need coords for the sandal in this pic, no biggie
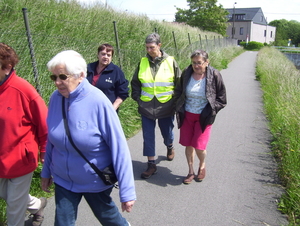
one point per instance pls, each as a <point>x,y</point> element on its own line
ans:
<point>188,179</point>
<point>201,175</point>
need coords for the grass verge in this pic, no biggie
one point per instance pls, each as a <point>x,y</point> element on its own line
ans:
<point>280,81</point>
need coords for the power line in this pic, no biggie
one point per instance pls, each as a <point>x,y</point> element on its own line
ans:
<point>296,14</point>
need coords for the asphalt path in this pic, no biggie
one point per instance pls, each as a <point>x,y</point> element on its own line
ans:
<point>241,186</point>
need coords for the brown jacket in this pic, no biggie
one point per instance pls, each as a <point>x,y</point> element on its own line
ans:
<point>215,94</point>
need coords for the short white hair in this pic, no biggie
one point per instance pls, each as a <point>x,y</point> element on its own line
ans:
<point>72,60</point>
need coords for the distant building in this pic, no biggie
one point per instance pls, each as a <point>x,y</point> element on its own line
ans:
<point>249,24</point>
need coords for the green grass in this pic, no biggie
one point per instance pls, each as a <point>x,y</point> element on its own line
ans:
<point>280,82</point>
<point>286,49</point>
<point>61,25</point>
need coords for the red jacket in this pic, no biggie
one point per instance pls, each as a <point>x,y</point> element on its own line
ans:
<point>23,129</point>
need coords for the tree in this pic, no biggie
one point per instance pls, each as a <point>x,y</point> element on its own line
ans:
<point>294,32</point>
<point>281,31</point>
<point>286,30</point>
<point>204,14</point>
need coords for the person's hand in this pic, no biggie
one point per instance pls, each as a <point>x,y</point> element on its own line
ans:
<point>46,183</point>
<point>115,106</point>
<point>117,103</point>
<point>127,206</point>
<point>42,157</point>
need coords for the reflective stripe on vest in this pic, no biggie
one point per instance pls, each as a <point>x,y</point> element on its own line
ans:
<point>162,87</point>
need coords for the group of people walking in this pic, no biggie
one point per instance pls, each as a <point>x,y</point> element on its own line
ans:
<point>81,128</point>
<point>195,95</point>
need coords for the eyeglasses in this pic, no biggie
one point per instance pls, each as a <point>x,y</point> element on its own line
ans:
<point>197,63</point>
<point>61,77</point>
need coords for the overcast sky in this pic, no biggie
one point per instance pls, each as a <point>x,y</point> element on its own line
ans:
<point>165,9</point>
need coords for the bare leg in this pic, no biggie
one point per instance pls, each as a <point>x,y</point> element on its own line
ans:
<point>201,171</point>
<point>189,153</point>
<point>201,155</point>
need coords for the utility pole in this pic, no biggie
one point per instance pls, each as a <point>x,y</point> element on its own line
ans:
<point>105,3</point>
<point>266,30</point>
<point>233,15</point>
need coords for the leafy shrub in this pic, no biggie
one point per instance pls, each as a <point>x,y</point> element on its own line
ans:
<point>252,45</point>
<point>281,43</point>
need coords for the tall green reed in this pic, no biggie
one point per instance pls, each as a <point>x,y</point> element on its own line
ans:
<point>280,82</point>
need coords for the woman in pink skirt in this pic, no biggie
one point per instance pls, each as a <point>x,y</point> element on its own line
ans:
<point>199,95</point>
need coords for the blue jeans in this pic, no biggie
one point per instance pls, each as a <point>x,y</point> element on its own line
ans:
<point>101,204</point>
<point>166,126</point>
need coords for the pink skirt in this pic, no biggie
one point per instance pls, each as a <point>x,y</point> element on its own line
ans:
<point>191,133</point>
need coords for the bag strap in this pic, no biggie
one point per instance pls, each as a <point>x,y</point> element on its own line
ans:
<point>68,131</point>
<point>94,167</point>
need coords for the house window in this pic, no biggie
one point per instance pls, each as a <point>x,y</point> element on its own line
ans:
<point>271,35</point>
<point>239,16</point>
<point>241,31</point>
<point>265,33</point>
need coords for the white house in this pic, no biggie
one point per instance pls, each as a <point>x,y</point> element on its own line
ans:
<point>249,24</point>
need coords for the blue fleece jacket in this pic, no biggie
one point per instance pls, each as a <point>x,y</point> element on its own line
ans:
<point>112,81</point>
<point>97,132</point>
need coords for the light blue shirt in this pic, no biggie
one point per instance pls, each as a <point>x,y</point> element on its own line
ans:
<point>195,95</point>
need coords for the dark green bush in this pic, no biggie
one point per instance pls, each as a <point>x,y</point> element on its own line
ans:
<point>252,45</point>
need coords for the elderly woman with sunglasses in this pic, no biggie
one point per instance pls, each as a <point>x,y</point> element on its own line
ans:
<point>96,131</point>
<point>200,95</point>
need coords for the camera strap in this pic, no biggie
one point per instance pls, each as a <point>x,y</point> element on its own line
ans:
<point>93,166</point>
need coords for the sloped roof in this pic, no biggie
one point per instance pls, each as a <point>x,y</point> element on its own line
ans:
<point>247,14</point>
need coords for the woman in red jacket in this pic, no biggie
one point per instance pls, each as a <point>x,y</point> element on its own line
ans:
<point>22,138</point>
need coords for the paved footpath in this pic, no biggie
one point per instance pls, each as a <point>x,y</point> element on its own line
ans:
<point>241,187</point>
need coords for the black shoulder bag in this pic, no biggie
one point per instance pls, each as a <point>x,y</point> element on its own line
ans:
<point>108,174</point>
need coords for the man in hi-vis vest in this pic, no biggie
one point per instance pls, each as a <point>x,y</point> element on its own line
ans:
<point>152,88</point>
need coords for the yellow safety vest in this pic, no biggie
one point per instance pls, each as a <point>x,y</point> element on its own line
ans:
<point>162,87</point>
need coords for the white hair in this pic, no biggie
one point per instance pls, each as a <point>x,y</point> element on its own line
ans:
<point>72,60</point>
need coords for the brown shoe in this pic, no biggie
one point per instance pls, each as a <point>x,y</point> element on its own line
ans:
<point>38,217</point>
<point>201,175</point>
<point>150,171</point>
<point>170,153</point>
<point>188,179</point>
